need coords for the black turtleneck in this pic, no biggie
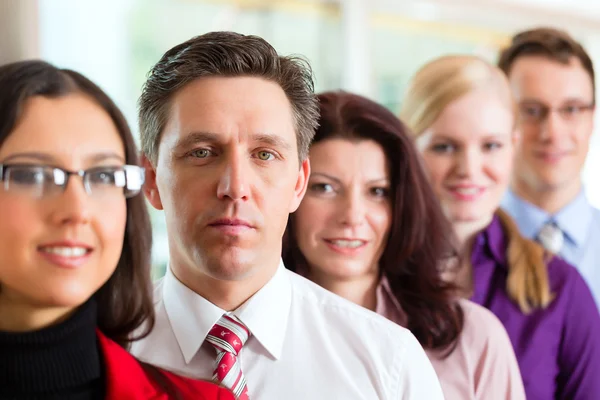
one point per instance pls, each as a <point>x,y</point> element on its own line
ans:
<point>58,362</point>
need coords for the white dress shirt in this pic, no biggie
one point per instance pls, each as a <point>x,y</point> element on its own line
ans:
<point>305,343</point>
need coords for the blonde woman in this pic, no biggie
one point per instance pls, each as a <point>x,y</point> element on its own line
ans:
<point>463,118</point>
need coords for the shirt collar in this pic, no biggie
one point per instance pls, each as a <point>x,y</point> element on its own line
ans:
<point>528,217</point>
<point>491,241</point>
<point>387,304</point>
<point>575,219</point>
<point>191,316</point>
<point>265,313</point>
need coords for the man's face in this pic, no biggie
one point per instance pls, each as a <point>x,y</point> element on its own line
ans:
<point>228,176</point>
<point>556,121</point>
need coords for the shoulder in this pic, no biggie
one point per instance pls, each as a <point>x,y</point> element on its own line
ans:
<point>325,314</point>
<point>323,302</point>
<point>563,276</point>
<point>482,331</point>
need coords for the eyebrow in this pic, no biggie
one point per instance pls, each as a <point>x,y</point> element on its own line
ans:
<point>336,180</point>
<point>567,100</point>
<point>47,158</point>
<point>442,137</point>
<point>195,137</point>
<point>264,138</point>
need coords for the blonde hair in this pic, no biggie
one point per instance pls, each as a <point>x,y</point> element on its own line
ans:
<point>444,80</point>
<point>431,90</point>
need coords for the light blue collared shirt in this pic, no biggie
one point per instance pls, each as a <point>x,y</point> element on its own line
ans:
<point>580,223</point>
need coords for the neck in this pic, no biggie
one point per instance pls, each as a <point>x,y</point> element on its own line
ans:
<point>18,316</point>
<point>466,231</point>
<point>227,294</point>
<point>60,361</point>
<point>361,291</point>
<point>549,199</point>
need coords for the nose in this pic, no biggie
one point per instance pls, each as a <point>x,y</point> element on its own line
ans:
<point>73,205</point>
<point>352,209</point>
<point>551,128</point>
<point>233,182</point>
<point>468,162</point>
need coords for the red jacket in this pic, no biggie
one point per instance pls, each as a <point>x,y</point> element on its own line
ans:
<point>127,380</point>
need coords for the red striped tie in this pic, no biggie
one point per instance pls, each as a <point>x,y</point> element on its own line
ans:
<point>227,337</point>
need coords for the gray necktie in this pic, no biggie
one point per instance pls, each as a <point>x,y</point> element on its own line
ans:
<point>551,237</point>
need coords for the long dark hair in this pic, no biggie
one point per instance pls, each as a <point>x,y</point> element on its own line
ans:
<point>125,300</point>
<point>421,241</point>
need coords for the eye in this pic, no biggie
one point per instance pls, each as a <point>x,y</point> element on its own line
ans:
<point>265,155</point>
<point>532,110</point>
<point>443,148</point>
<point>201,153</point>
<point>380,192</point>
<point>321,188</point>
<point>490,146</point>
<point>27,175</point>
<point>102,177</point>
<point>571,109</point>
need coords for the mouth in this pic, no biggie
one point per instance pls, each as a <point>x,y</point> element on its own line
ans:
<point>66,255</point>
<point>231,222</point>
<point>231,226</point>
<point>347,243</point>
<point>346,246</point>
<point>466,193</point>
<point>551,157</point>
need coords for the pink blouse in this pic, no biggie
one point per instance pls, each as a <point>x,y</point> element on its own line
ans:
<point>483,365</point>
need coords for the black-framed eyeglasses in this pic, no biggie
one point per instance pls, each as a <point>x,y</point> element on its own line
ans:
<point>42,181</point>
<point>538,112</point>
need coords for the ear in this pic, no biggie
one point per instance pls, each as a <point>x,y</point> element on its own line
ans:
<point>301,185</point>
<point>150,187</point>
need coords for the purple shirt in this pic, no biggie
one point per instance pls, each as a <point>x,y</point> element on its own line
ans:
<point>557,348</point>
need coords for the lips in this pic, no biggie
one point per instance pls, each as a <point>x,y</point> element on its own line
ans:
<point>346,246</point>
<point>66,254</point>
<point>64,251</point>
<point>347,243</point>
<point>232,227</point>
<point>231,222</point>
<point>551,157</point>
<point>466,192</point>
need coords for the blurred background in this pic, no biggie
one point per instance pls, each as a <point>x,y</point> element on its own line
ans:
<point>371,47</point>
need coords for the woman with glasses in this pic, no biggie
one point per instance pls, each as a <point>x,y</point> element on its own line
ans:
<point>75,241</point>
<point>370,230</point>
<point>463,118</point>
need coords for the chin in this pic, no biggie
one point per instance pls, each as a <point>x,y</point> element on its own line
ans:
<point>230,267</point>
<point>468,217</point>
<point>344,269</point>
<point>554,182</point>
<point>66,299</point>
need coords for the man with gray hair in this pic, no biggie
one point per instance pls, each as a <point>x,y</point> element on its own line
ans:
<point>226,124</point>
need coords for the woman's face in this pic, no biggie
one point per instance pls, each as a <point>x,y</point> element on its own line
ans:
<point>59,247</point>
<point>468,152</point>
<point>343,221</point>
